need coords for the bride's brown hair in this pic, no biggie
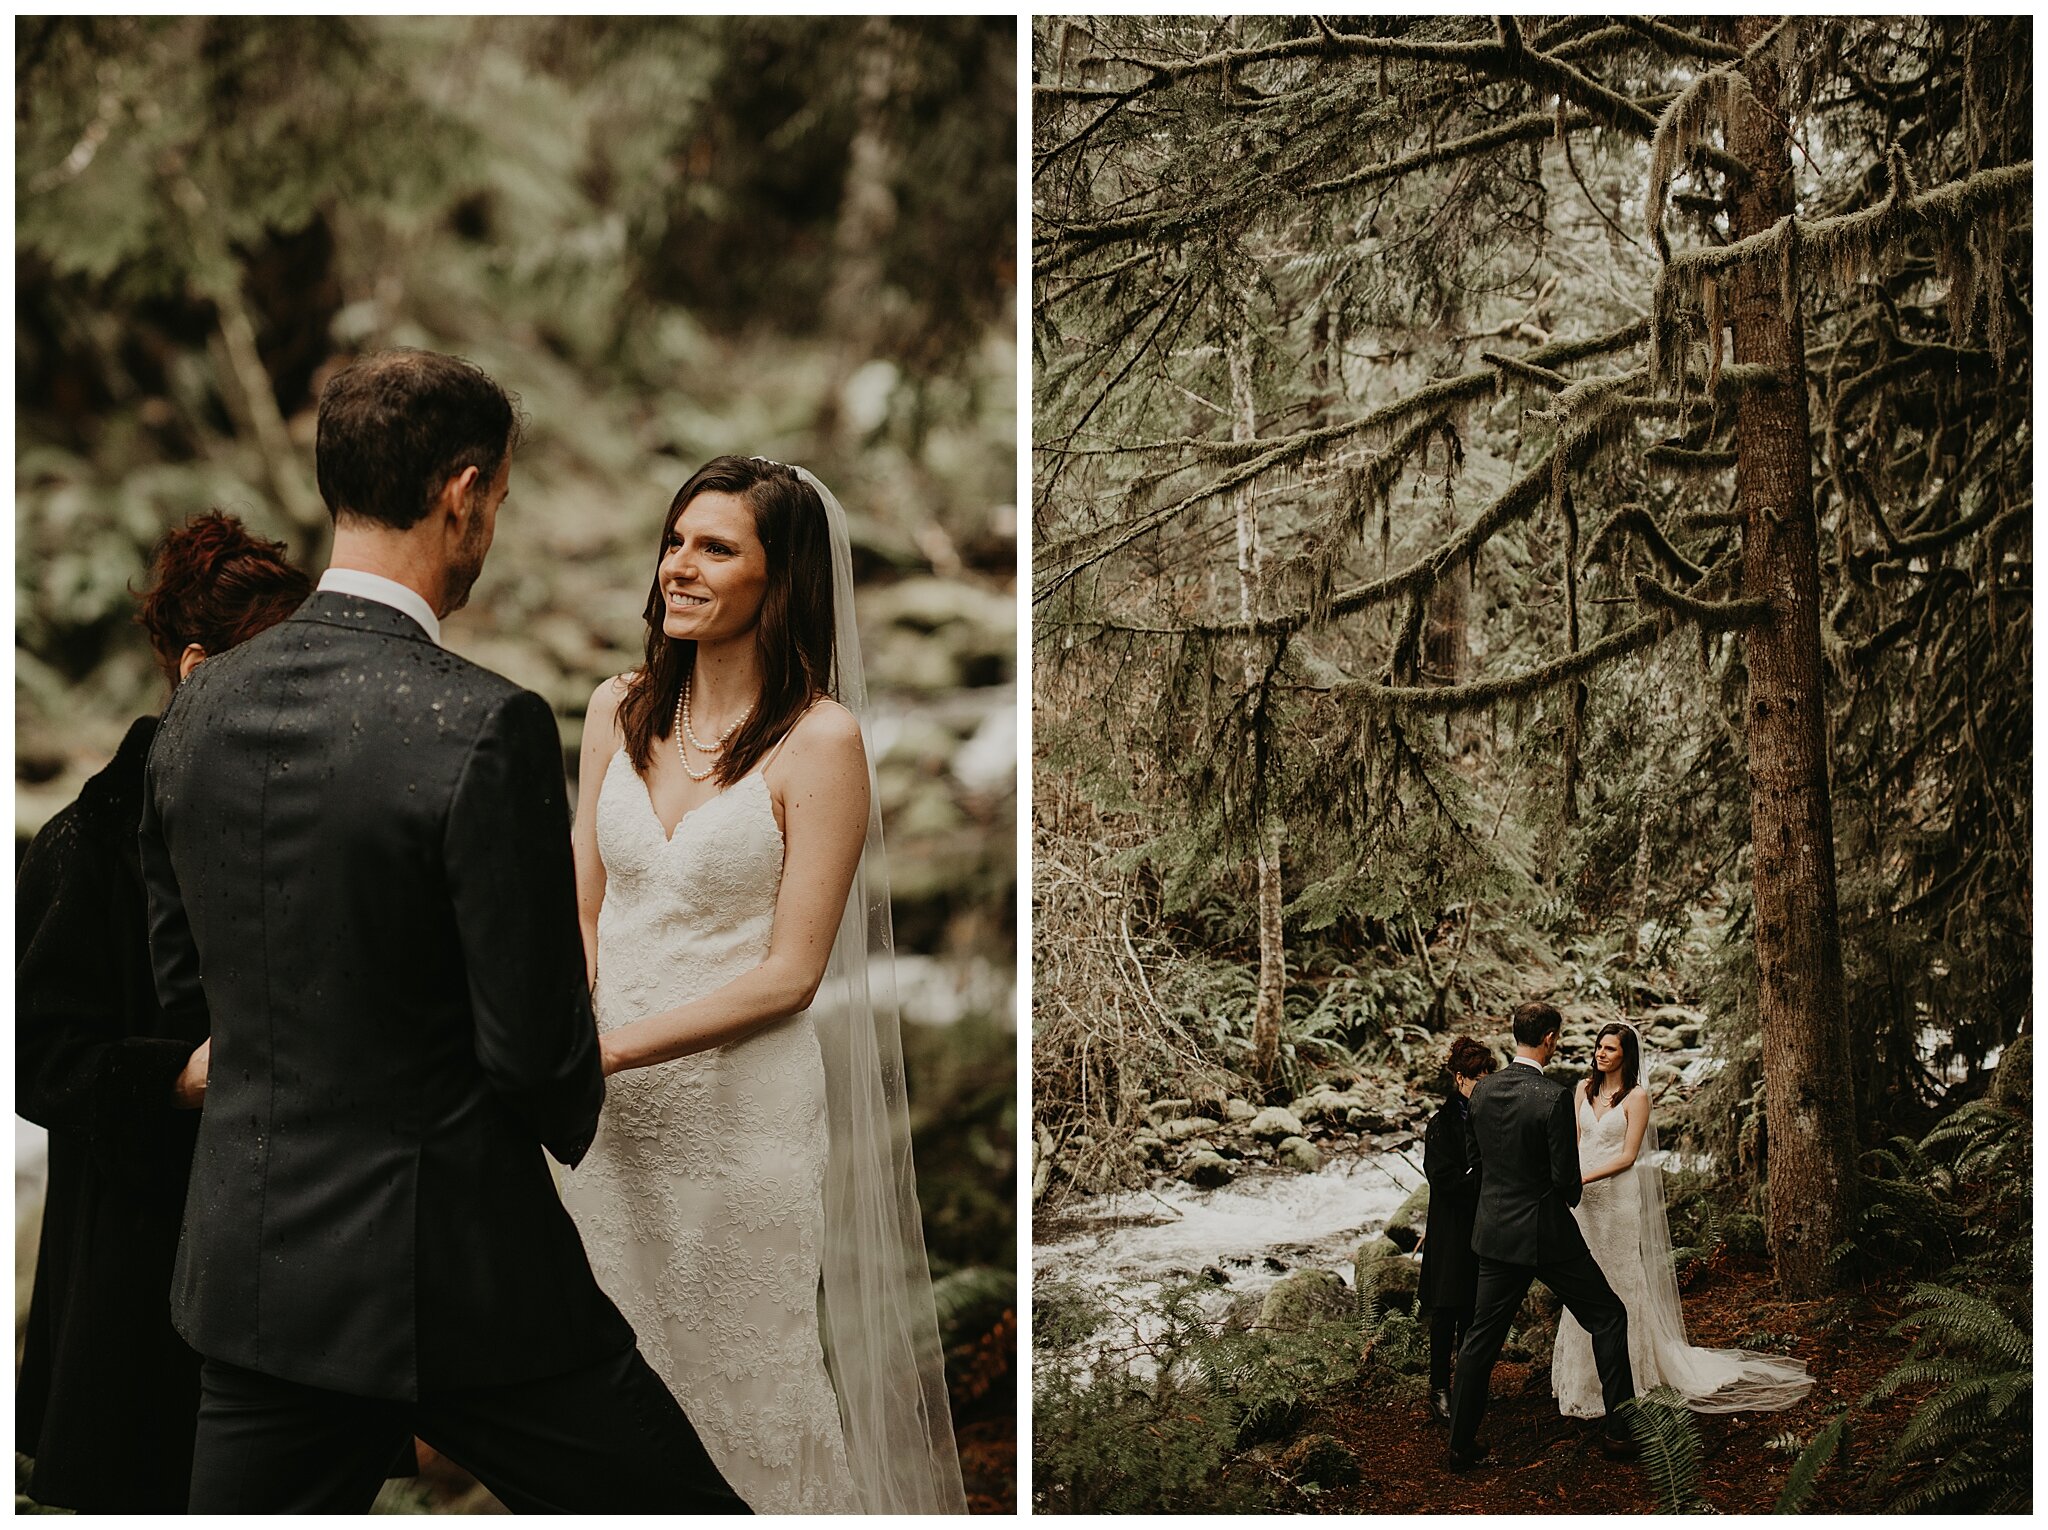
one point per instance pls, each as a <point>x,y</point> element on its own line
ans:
<point>793,636</point>
<point>1631,1062</point>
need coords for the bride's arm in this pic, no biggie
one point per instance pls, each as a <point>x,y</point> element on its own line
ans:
<point>825,818</point>
<point>600,743</point>
<point>1637,1109</point>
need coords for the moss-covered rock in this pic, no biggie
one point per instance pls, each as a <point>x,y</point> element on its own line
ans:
<point>1274,1123</point>
<point>1304,1298</point>
<point>1405,1227</point>
<point>1385,1277</point>
<point>1297,1153</point>
<point>1322,1459</point>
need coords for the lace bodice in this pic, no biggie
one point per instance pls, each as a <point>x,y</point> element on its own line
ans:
<point>683,913</point>
<point>1601,1137</point>
<point>701,1201</point>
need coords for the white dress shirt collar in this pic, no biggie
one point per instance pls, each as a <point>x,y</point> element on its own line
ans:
<point>1529,1062</point>
<point>386,592</point>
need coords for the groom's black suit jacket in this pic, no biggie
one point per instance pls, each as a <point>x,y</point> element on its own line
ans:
<point>356,847</point>
<point>1521,1135</point>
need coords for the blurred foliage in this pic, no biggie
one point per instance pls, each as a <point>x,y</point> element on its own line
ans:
<point>671,237</point>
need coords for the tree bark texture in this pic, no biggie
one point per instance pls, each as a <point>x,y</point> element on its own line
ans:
<point>1809,1105</point>
<point>1272,940</point>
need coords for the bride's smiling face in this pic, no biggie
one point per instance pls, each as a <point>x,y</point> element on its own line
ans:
<point>714,570</point>
<point>1607,1055</point>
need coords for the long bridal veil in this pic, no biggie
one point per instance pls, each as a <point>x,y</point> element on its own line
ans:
<point>878,1323</point>
<point>1709,1380</point>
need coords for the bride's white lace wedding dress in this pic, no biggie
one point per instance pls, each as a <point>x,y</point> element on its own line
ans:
<point>701,1201</point>
<point>1615,1214</point>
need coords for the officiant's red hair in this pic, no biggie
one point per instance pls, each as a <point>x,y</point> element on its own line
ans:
<point>214,583</point>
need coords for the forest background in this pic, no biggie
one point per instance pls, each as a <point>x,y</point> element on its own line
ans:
<point>1538,508</point>
<point>671,238</point>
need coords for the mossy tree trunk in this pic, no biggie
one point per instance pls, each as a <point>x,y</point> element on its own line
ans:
<point>1272,938</point>
<point>1807,1082</point>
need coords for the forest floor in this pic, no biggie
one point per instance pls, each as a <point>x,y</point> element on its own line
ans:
<point>1540,1459</point>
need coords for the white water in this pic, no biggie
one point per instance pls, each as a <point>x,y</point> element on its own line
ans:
<point>1132,1243</point>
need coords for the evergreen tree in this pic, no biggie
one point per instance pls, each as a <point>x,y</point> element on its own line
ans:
<point>1563,337</point>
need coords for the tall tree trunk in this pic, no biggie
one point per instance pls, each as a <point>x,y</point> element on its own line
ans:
<point>1808,1089</point>
<point>1272,942</point>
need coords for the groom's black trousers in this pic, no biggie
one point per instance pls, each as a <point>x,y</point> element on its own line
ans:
<point>607,1438</point>
<point>1585,1294</point>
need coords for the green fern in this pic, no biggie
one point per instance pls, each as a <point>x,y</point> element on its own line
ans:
<point>1977,1426</point>
<point>1805,1474</point>
<point>1671,1449</point>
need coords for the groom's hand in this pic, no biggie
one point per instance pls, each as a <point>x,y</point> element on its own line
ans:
<point>188,1090</point>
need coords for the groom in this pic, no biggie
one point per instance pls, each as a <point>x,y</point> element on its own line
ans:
<point>1521,1135</point>
<point>357,852</point>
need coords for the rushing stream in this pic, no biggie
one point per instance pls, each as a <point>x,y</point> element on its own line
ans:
<point>1124,1247</point>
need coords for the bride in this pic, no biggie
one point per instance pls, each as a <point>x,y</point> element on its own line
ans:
<point>1621,1212</point>
<point>748,1202</point>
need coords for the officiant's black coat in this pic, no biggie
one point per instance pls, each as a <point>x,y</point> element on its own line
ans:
<point>1450,1271</point>
<point>108,1393</point>
<point>359,841</point>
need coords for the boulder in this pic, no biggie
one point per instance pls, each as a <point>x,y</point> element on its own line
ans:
<point>2012,1082</point>
<point>1326,1105</point>
<point>1206,1170</point>
<point>1187,1126</point>
<point>1273,1123</point>
<point>1298,1153</point>
<point>1241,1312</point>
<point>1236,1111</point>
<point>1405,1227</point>
<point>1383,1275</point>
<point>1322,1459</point>
<point>1539,1308</point>
<point>1166,1110</point>
<point>1306,1297</point>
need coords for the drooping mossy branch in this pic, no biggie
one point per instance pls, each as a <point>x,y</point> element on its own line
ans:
<point>1532,128</point>
<point>1639,520</point>
<point>1855,240</point>
<point>1706,615</point>
<point>1063,558</point>
<point>1685,459</point>
<point>1677,40</point>
<point>1517,366</point>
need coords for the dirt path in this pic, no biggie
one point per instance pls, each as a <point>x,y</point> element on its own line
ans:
<point>1543,1463</point>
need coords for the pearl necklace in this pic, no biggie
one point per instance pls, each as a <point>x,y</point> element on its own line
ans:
<point>685,731</point>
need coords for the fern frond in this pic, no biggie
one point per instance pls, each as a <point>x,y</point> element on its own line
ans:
<point>1805,1474</point>
<point>1671,1449</point>
<point>1969,1321</point>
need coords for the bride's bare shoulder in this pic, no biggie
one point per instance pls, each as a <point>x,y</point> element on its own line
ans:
<point>825,731</point>
<point>603,712</point>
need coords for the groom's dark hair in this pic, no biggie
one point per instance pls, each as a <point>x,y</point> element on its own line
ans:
<point>1534,1021</point>
<point>395,426</point>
